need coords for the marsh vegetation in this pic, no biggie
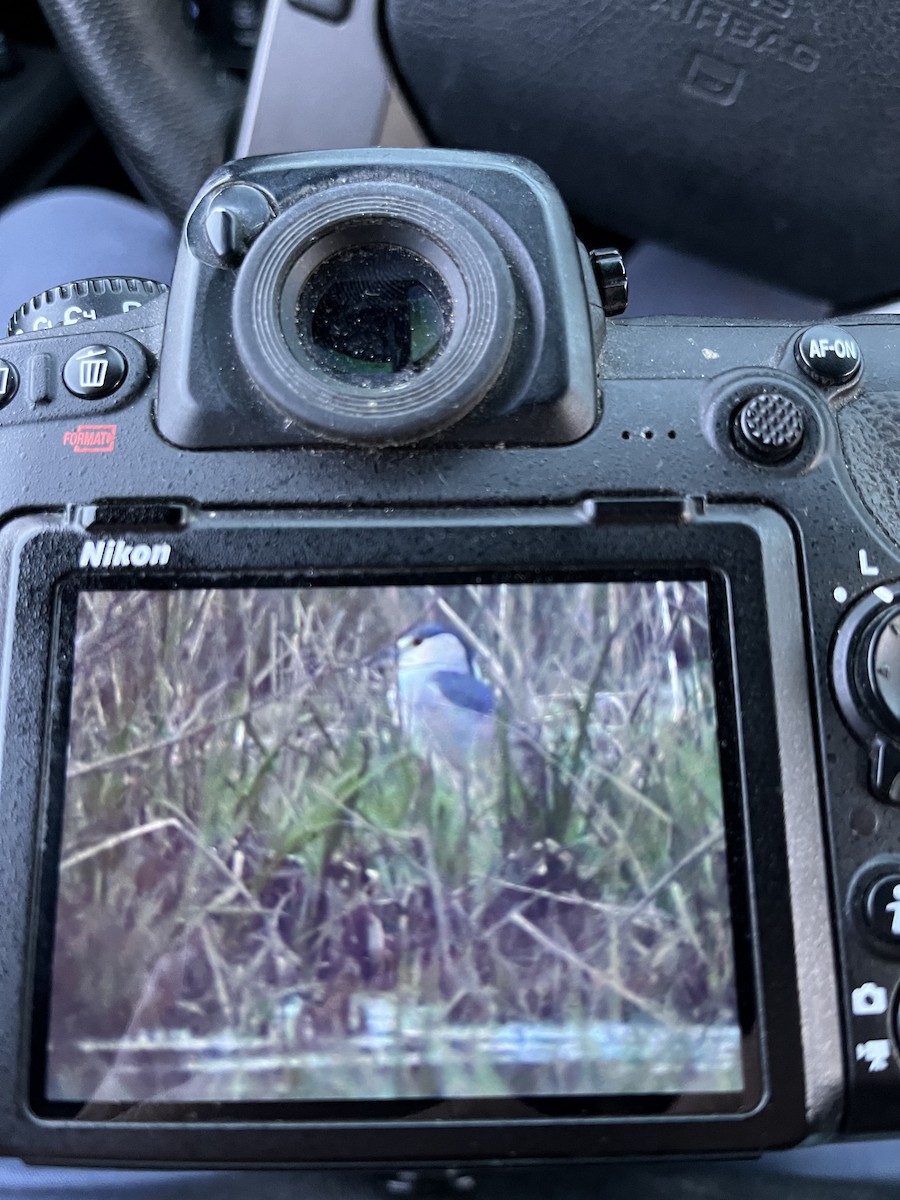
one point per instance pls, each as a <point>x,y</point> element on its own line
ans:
<point>265,891</point>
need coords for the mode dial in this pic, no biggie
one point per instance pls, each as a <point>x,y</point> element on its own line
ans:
<point>84,300</point>
<point>883,667</point>
<point>866,664</point>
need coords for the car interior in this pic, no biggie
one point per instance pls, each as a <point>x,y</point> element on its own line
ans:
<point>739,154</point>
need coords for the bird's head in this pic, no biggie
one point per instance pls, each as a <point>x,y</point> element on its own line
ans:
<point>430,644</point>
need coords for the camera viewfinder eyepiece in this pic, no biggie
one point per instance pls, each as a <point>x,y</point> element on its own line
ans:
<point>375,313</point>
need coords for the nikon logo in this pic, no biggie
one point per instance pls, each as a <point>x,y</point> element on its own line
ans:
<point>108,553</point>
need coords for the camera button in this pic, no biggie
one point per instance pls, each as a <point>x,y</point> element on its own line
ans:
<point>884,771</point>
<point>226,223</point>
<point>881,908</point>
<point>95,372</point>
<point>828,355</point>
<point>768,427</point>
<point>611,279</point>
<point>9,382</point>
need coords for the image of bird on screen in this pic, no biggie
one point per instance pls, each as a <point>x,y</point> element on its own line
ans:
<point>324,843</point>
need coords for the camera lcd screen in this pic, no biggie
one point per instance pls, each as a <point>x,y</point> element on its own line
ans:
<point>392,843</point>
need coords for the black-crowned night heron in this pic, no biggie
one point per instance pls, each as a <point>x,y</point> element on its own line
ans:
<point>445,709</point>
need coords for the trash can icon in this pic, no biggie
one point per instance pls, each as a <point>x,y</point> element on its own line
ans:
<point>92,372</point>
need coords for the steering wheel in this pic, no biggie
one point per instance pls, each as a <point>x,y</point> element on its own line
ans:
<point>761,134</point>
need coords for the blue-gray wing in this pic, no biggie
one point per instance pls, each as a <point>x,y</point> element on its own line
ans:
<point>465,691</point>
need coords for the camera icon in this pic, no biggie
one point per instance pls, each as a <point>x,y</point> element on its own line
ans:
<point>869,1000</point>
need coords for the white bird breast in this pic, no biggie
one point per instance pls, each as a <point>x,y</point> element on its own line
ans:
<point>433,724</point>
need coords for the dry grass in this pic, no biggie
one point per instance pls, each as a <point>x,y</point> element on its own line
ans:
<point>247,833</point>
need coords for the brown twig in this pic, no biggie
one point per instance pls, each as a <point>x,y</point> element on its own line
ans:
<point>702,847</point>
<point>117,839</point>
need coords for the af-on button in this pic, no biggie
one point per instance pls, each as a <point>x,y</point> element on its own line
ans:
<point>95,372</point>
<point>828,355</point>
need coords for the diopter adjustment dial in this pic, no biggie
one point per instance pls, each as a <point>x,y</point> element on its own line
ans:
<point>84,300</point>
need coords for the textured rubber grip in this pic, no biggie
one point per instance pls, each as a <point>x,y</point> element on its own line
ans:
<point>761,134</point>
<point>168,113</point>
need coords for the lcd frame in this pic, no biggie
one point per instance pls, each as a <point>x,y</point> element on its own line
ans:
<point>523,1105</point>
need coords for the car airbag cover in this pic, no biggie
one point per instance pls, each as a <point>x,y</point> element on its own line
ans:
<point>764,134</point>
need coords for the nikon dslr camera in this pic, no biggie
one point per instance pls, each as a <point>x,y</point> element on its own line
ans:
<point>441,724</point>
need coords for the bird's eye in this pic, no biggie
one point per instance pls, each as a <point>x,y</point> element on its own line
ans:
<point>417,641</point>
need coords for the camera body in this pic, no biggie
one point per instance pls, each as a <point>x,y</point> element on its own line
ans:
<point>489,250</point>
<point>669,550</point>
